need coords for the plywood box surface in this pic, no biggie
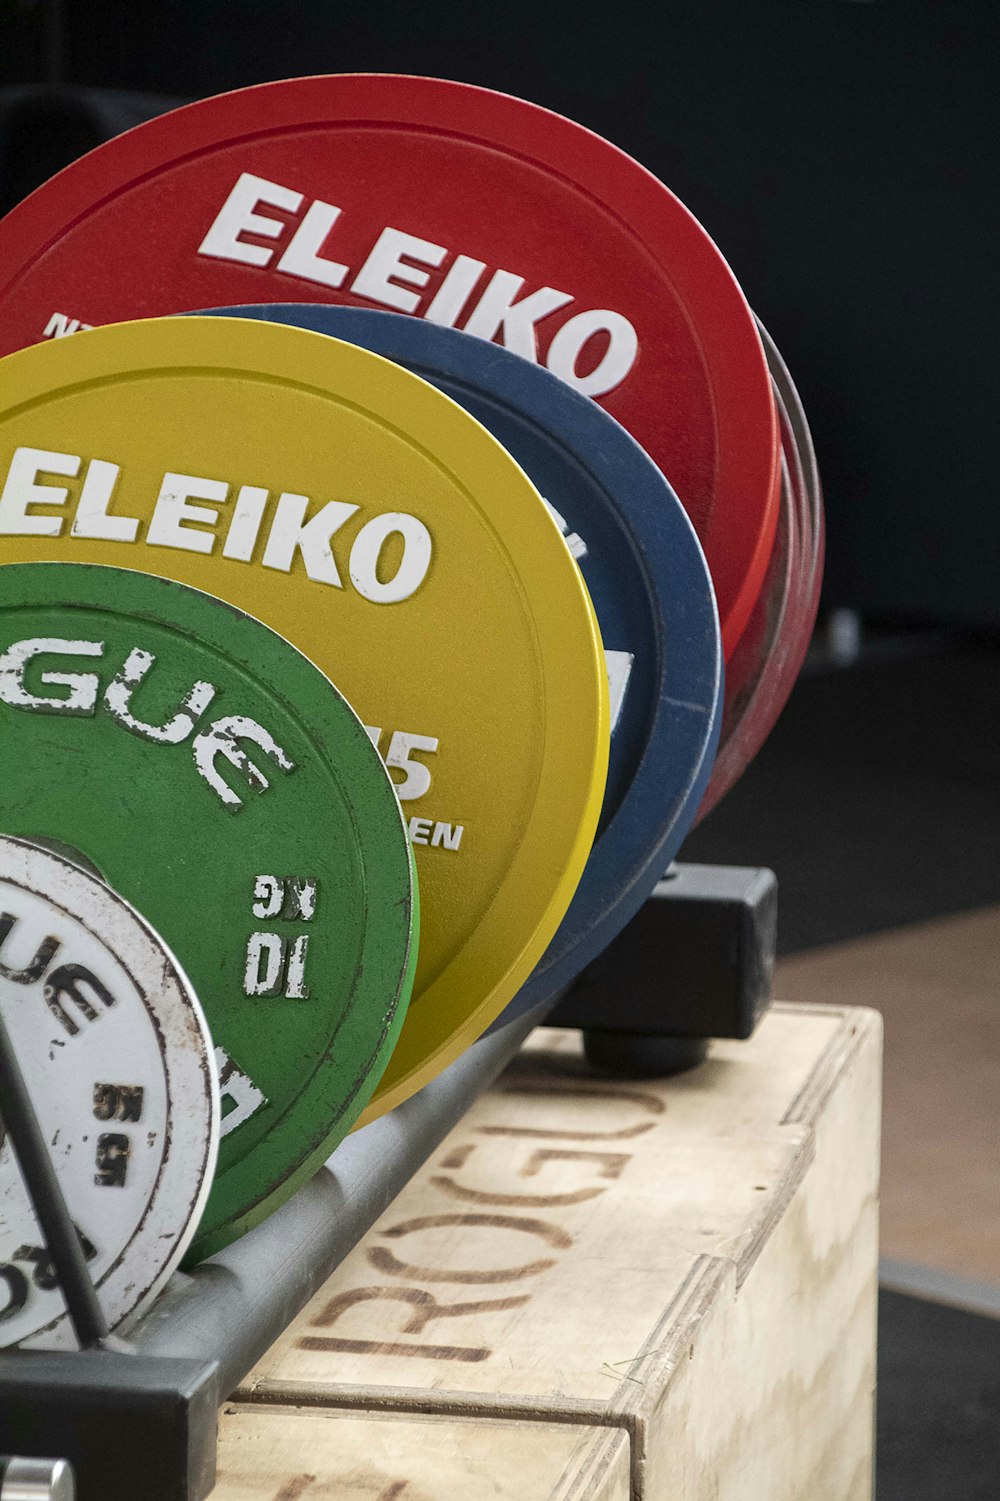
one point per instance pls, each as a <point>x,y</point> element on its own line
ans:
<point>598,1289</point>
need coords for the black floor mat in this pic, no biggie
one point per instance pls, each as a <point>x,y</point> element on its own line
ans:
<point>938,1403</point>
<point>876,799</point>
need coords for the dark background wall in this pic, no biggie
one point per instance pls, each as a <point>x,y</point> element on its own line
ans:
<point>843,154</point>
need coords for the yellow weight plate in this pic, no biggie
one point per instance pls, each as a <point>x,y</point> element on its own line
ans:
<point>374,523</point>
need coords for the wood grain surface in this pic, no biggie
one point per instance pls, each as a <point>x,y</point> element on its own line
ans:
<point>600,1288</point>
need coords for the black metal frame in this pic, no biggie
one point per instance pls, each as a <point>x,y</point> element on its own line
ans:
<point>145,1404</point>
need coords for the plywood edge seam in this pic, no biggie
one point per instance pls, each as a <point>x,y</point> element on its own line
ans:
<point>618,1429</point>
<point>669,1344</point>
<point>585,1481</point>
<point>857,1024</point>
<point>778,1200</point>
<point>584,1463</point>
<point>441,1403</point>
<point>670,1340</point>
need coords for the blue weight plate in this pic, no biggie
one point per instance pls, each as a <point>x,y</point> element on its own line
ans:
<point>651,589</point>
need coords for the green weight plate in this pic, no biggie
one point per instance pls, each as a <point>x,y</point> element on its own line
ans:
<point>217,781</point>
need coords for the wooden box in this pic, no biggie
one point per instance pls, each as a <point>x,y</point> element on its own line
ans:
<point>601,1290</point>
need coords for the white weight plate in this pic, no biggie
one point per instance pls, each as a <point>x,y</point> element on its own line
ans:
<point>117,1059</point>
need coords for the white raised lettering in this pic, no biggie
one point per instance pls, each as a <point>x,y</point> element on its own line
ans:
<point>385,267</point>
<point>447,835</point>
<point>221,739</point>
<point>575,543</point>
<point>417,780</point>
<point>21,490</point>
<point>244,529</point>
<point>615,363</point>
<point>237,216</point>
<point>455,291</point>
<point>420,830</point>
<point>269,896</point>
<point>265,966</point>
<point>302,258</point>
<point>118,703</point>
<point>59,325</point>
<point>170,527</point>
<point>498,312</point>
<point>83,686</point>
<point>291,533</point>
<point>296,988</point>
<point>301,894</point>
<point>92,519</point>
<point>239,1088</point>
<point>619,670</point>
<point>416,559</point>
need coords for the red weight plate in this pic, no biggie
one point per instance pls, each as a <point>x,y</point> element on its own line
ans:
<point>767,661</point>
<point>797,441</point>
<point>757,674</point>
<point>456,204</point>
